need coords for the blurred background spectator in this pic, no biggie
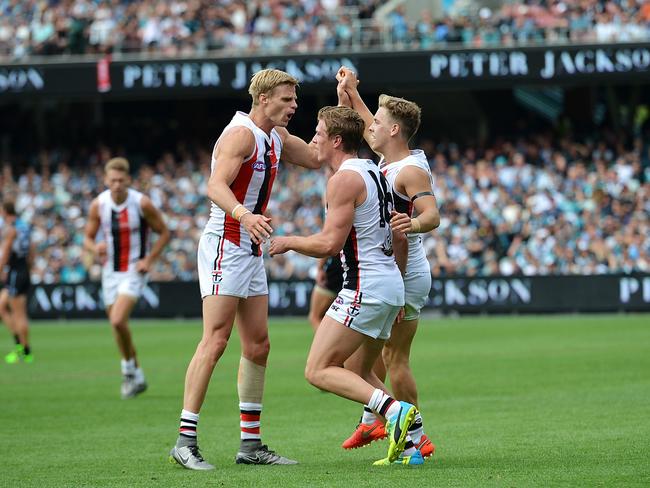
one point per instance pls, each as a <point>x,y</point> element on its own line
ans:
<point>535,205</point>
<point>235,27</point>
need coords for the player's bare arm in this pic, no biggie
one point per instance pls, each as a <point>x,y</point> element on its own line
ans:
<point>90,233</point>
<point>321,276</point>
<point>343,97</point>
<point>400,246</point>
<point>345,191</point>
<point>5,250</point>
<point>155,220</point>
<point>231,151</point>
<point>348,82</point>
<point>414,183</point>
<point>31,255</point>
<point>296,151</point>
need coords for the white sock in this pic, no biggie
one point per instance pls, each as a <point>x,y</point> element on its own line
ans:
<point>139,375</point>
<point>409,448</point>
<point>368,417</point>
<point>128,366</point>
<point>383,404</point>
<point>417,429</point>
<point>187,430</point>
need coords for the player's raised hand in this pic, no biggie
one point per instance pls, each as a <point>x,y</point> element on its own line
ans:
<point>257,226</point>
<point>400,222</point>
<point>346,77</point>
<point>279,245</point>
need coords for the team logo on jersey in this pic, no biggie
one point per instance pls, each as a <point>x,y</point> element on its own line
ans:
<point>259,166</point>
<point>339,300</point>
<point>354,309</point>
<point>217,276</point>
<point>387,246</point>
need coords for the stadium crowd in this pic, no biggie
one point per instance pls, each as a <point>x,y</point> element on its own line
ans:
<point>535,206</point>
<point>195,27</point>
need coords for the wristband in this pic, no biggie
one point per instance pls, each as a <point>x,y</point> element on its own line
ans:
<point>234,210</point>
<point>238,213</point>
<point>415,226</point>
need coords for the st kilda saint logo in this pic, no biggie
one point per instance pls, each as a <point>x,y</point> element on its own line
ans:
<point>354,309</point>
<point>217,276</point>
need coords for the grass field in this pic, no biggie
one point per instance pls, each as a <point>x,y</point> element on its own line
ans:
<point>509,401</point>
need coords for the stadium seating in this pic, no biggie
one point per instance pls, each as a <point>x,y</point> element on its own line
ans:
<point>535,205</point>
<point>194,27</point>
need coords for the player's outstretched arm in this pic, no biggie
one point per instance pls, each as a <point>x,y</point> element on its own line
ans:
<point>155,220</point>
<point>343,191</point>
<point>417,186</point>
<point>233,149</point>
<point>296,151</point>
<point>348,81</point>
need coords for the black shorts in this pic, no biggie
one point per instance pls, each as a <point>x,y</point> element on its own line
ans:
<point>333,274</point>
<point>18,282</point>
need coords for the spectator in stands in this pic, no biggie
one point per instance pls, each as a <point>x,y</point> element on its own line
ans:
<point>175,28</point>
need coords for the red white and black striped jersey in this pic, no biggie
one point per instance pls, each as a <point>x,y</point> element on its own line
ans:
<point>252,185</point>
<point>417,260</point>
<point>125,230</point>
<point>367,256</point>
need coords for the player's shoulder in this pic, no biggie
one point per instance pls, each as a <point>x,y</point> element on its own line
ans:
<point>141,199</point>
<point>101,199</point>
<point>236,139</point>
<point>137,194</point>
<point>413,167</point>
<point>416,159</point>
<point>347,179</point>
<point>238,130</point>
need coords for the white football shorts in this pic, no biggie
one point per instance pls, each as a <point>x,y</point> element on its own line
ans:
<point>416,293</point>
<point>226,269</point>
<point>114,283</point>
<point>363,313</point>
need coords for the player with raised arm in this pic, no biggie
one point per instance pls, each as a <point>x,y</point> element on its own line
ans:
<point>357,225</point>
<point>388,133</point>
<point>231,271</point>
<point>124,217</point>
<point>16,256</point>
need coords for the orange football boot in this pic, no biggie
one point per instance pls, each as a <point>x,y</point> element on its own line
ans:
<point>365,434</point>
<point>426,447</point>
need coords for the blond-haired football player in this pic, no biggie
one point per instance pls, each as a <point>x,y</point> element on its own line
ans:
<point>245,161</point>
<point>124,217</point>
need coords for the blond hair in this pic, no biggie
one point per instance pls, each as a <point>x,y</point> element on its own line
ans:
<point>404,112</point>
<point>117,164</point>
<point>266,81</point>
<point>344,122</point>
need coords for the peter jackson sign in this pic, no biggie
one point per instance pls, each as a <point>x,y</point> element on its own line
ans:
<point>540,64</point>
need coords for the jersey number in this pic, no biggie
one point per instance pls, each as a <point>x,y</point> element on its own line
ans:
<point>385,196</point>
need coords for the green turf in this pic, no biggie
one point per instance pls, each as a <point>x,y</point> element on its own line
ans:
<point>509,401</point>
